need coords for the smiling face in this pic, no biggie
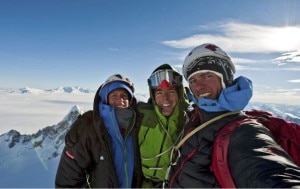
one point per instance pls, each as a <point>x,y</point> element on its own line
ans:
<point>119,98</point>
<point>206,85</point>
<point>166,100</point>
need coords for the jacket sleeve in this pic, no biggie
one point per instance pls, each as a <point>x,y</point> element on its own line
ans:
<point>257,161</point>
<point>76,156</point>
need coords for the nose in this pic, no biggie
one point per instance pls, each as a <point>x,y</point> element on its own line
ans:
<point>120,97</point>
<point>165,95</point>
<point>198,87</point>
<point>198,84</point>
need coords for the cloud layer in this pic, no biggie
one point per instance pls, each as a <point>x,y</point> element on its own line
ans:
<point>233,36</point>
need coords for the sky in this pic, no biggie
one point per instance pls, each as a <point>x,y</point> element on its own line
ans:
<point>48,44</point>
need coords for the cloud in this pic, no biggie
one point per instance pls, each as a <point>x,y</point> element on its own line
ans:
<point>30,112</point>
<point>113,49</point>
<point>295,81</point>
<point>292,58</point>
<point>245,38</point>
<point>274,44</point>
<point>288,91</point>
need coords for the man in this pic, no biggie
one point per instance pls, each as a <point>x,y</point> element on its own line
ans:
<point>163,119</point>
<point>255,159</point>
<point>101,147</point>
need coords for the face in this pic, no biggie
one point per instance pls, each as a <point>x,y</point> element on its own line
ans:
<point>119,98</point>
<point>166,99</point>
<point>206,85</point>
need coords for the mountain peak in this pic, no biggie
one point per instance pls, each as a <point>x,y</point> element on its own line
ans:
<point>70,89</point>
<point>58,90</point>
<point>76,108</point>
<point>28,90</point>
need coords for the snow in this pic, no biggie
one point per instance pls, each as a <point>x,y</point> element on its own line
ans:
<point>25,166</point>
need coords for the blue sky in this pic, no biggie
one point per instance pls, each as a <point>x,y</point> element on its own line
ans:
<point>51,43</point>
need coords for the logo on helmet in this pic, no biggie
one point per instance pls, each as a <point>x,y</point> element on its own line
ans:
<point>211,47</point>
<point>120,77</point>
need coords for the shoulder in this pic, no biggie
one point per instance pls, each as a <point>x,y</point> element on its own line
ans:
<point>87,115</point>
<point>83,122</point>
<point>146,109</point>
<point>149,118</point>
<point>251,135</point>
<point>143,106</point>
<point>81,128</point>
<point>251,126</point>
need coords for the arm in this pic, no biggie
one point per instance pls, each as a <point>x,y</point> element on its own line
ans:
<point>257,161</point>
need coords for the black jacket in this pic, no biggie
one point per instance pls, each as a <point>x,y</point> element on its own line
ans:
<point>255,159</point>
<point>88,154</point>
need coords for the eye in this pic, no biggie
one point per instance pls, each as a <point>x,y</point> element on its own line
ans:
<point>172,92</point>
<point>191,81</point>
<point>125,96</point>
<point>158,93</point>
<point>113,96</point>
<point>209,76</point>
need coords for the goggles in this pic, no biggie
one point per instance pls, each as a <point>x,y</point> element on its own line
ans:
<point>161,77</point>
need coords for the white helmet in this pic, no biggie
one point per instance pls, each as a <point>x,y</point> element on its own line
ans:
<point>217,61</point>
<point>113,82</point>
<point>119,77</point>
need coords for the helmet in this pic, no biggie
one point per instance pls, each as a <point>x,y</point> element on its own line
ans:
<point>121,78</point>
<point>203,50</point>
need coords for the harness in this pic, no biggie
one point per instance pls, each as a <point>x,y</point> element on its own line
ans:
<point>176,150</point>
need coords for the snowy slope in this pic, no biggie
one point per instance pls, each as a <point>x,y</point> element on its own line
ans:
<point>31,160</point>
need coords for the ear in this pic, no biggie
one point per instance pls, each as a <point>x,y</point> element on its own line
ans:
<point>189,94</point>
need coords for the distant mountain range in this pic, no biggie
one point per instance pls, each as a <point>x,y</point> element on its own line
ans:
<point>30,161</point>
<point>28,90</point>
<point>284,111</point>
<point>61,90</point>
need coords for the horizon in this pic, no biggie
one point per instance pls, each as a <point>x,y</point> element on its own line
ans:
<point>36,109</point>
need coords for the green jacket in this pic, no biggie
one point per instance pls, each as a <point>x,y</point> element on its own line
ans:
<point>159,134</point>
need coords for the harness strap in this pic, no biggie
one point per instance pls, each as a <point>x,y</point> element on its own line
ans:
<point>202,126</point>
<point>87,178</point>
